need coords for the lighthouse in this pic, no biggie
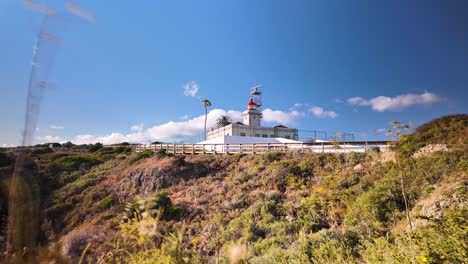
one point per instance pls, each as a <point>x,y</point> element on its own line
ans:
<point>252,116</point>
<point>251,129</point>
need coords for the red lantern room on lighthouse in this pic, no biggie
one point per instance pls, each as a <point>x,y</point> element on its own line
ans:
<point>251,105</point>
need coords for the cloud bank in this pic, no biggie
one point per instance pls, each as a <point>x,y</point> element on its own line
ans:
<point>173,130</point>
<point>384,103</point>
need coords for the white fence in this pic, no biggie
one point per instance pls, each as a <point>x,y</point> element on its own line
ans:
<point>320,147</point>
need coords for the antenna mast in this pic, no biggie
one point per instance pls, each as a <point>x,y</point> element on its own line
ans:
<point>256,95</point>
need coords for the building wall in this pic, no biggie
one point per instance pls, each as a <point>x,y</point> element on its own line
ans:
<point>252,118</point>
<point>248,131</point>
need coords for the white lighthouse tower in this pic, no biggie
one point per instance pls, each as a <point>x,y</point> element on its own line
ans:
<point>251,129</point>
<point>252,116</point>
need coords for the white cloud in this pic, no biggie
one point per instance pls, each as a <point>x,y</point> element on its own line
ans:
<point>112,138</point>
<point>384,103</point>
<point>7,146</point>
<point>299,105</point>
<point>191,89</point>
<point>49,139</point>
<point>56,127</point>
<point>167,131</point>
<point>175,130</point>
<point>138,127</point>
<point>321,113</point>
<point>379,130</point>
<point>280,117</point>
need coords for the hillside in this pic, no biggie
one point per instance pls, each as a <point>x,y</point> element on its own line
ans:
<point>108,205</point>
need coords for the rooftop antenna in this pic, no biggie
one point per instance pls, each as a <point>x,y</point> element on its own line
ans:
<point>256,95</point>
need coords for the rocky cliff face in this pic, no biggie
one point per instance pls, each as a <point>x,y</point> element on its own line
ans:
<point>441,197</point>
<point>424,151</point>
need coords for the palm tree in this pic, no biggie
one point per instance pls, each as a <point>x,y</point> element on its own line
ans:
<point>206,103</point>
<point>223,121</point>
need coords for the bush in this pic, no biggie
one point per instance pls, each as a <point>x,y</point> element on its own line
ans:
<point>175,212</point>
<point>68,145</point>
<point>76,162</point>
<point>39,151</point>
<point>5,160</point>
<point>161,152</point>
<point>145,154</point>
<point>142,155</point>
<point>95,147</point>
<point>106,202</point>
<point>312,214</point>
<point>373,212</point>
<point>120,150</point>
<point>272,156</point>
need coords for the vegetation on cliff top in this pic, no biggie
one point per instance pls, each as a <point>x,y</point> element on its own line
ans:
<point>117,207</point>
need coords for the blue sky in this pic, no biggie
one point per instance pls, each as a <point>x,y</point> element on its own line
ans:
<point>348,66</point>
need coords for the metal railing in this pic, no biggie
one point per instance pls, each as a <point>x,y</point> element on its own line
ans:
<point>320,147</point>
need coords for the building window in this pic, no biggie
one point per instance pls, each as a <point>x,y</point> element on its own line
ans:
<point>272,136</point>
<point>242,134</point>
<point>287,137</point>
<point>257,135</point>
<point>265,135</point>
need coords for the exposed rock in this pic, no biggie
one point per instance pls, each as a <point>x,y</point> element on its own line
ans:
<point>150,176</point>
<point>387,156</point>
<point>358,167</point>
<point>75,243</point>
<point>432,208</point>
<point>424,151</point>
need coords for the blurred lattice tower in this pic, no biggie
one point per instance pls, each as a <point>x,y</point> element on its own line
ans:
<point>23,210</point>
<point>23,197</point>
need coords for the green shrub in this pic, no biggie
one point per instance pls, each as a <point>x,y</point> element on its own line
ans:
<point>161,152</point>
<point>175,212</point>
<point>139,156</point>
<point>312,214</point>
<point>5,160</point>
<point>146,154</point>
<point>75,162</point>
<point>330,246</point>
<point>40,151</point>
<point>106,150</point>
<point>120,150</point>
<point>373,212</point>
<point>95,147</point>
<point>106,202</point>
<point>272,156</point>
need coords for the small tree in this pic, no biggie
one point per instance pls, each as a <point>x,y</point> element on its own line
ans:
<point>397,134</point>
<point>206,103</point>
<point>95,147</point>
<point>223,121</point>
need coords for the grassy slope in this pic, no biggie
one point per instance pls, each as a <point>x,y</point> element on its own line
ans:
<point>268,208</point>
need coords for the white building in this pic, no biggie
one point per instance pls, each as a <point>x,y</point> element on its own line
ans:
<point>252,125</point>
